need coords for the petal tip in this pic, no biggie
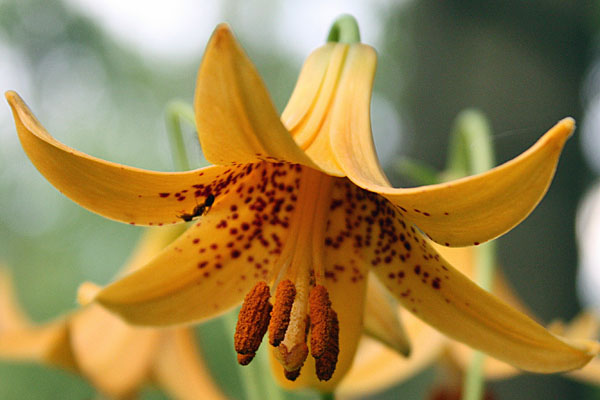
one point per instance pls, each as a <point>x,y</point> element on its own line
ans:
<point>565,127</point>
<point>222,35</point>
<point>87,293</point>
<point>13,98</point>
<point>10,95</point>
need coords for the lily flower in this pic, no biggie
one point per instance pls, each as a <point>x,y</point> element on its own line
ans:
<point>301,211</point>
<point>116,358</point>
<point>378,366</point>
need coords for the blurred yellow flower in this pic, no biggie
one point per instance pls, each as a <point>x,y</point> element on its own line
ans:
<point>299,206</point>
<point>118,359</point>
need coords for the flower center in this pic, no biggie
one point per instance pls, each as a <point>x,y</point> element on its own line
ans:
<point>302,304</point>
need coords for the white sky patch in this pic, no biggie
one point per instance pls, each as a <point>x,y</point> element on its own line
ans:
<point>174,28</point>
<point>588,238</point>
<point>305,24</point>
<point>181,28</point>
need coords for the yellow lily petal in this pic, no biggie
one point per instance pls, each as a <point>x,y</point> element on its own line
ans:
<point>474,209</point>
<point>152,242</point>
<point>180,370</point>
<point>459,353</point>
<point>378,367</point>
<point>350,130</point>
<point>382,319</point>
<point>441,296</point>
<point>212,266</point>
<point>307,113</point>
<point>114,356</point>
<point>126,194</point>
<point>12,316</point>
<point>585,325</point>
<point>235,117</point>
<point>315,71</point>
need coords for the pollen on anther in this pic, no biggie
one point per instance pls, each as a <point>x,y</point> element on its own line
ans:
<point>280,316</point>
<point>324,333</point>
<point>252,323</point>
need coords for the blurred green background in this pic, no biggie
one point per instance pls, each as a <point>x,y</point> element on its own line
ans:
<point>98,74</point>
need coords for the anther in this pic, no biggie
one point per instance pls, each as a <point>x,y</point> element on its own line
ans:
<point>280,316</point>
<point>325,365</point>
<point>252,323</point>
<point>291,375</point>
<point>324,332</point>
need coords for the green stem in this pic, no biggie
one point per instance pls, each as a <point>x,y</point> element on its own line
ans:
<point>471,150</point>
<point>326,396</point>
<point>418,172</point>
<point>175,113</point>
<point>472,153</point>
<point>344,30</point>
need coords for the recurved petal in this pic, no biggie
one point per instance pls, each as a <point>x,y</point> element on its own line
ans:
<point>212,266</point>
<point>378,367</point>
<point>434,291</point>
<point>235,117</point>
<point>126,194</point>
<point>583,326</point>
<point>307,114</point>
<point>114,356</point>
<point>180,370</point>
<point>350,127</point>
<point>473,209</point>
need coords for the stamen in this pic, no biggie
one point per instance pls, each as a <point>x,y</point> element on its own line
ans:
<point>319,306</point>
<point>280,316</point>
<point>324,333</point>
<point>325,365</point>
<point>252,323</point>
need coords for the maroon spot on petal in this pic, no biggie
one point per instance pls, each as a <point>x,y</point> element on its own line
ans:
<point>164,194</point>
<point>235,253</point>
